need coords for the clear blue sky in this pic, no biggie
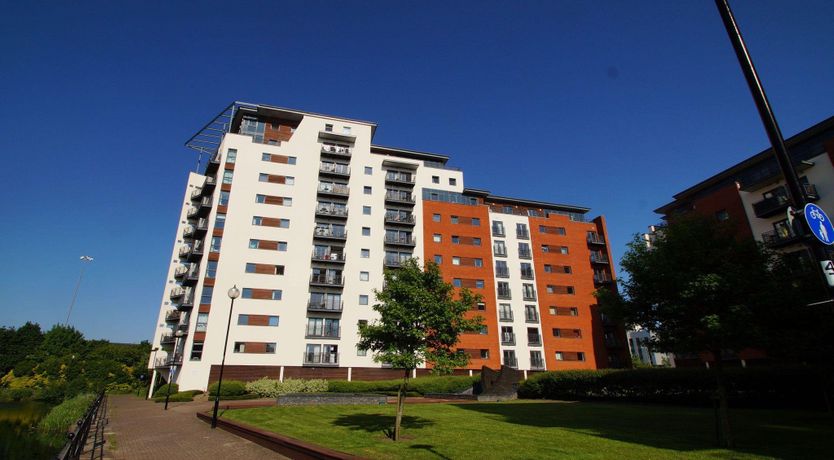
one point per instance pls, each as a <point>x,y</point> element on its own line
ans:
<point>611,105</point>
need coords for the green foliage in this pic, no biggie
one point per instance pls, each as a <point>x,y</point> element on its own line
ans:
<point>229,388</point>
<point>184,396</point>
<point>65,414</point>
<point>420,385</point>
<point>18,344</point>
<point>63,340</point>
<point>791,387</point>
<point>163,390</point>
<point>420,319</point>
<point>269,388</point>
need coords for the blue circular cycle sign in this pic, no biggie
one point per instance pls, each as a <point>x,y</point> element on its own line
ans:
<point>819,223</point>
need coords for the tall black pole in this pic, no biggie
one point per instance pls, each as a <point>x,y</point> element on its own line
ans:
<point>222,364</point>
<point>796,193</point>
<point>173,369</point>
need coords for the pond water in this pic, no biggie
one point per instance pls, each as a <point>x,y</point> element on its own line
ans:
<point>18,441</point>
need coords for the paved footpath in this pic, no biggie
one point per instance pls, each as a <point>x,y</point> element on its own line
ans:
<point>141,430</point>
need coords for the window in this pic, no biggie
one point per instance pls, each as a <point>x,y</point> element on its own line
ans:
<point>456,282</point>
<point>228,174</point>
<point>328,127</point>
<point>231,157</point>
<point>269,347</point>
<point>366,231</point>
<point>503,290</point>
<point>220,221</point>
<point>291,160</point>
<point>524,251</point>
<point>484,330</point>
<point>476,241</point>
<point>499,248</point>
<point>521,231</point>
<point>260,198</point>
<point>205,296</point>
<point>282,246</point>
<point>272,321</point>
<point>435,217</point>
<point>287,201</point>
<point>548,268</point>
<point>453,181</point>
<point>211,269</point>
<point>722,215</point>
<point>369,170</point>
<point>455,260</point>
<point>529,291</point>
<point>265,269</point>
<point>480,306</point>
<point>484,354</point>
<point>224,199</point>
<point>531,314</point>
<point>361,351</point>
<point>266,157</point>
<point>435,179</point>
<point>563,249</point>
<point>367,190</point>
<point>437,238</point>
<point>501,269</point>
<point>476,222</point>
<point>254,244</point>
<point>215,243</point>
<point>263,177</point>
<point>438,259</point>
<point>479,284</point>
<point>497,228</point>
<point>478,262</point>
<point>366,210</point>
<point>526,270</point>
<point>196,351</point>
<point>363,299</point>
<point>505,312</point>
<point>364,276</point>
<point>455,239</point>
<point>454,219</point>
<point>365,253</point>
<point>289,180</point>
<point>202,322</point>
<point>239,347</point>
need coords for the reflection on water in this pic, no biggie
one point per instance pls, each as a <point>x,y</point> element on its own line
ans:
<point>18,441</point>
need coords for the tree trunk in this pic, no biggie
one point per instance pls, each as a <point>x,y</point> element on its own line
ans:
<point>400,404</point>
<point>723,408</point>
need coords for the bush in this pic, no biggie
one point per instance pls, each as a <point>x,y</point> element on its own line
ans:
<point>65,414</point>
<point>163,390</point>
<point>119,388</point>
<point>185,396</point>
<point>420,385</point>
<point>230,388</point>
<point>269,388</point>
<point>17,394</point>
<point>752,387</point>
<point>234,397</point>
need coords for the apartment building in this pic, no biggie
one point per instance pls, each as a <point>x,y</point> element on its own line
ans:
<point>302,212</point>
<point>752,197</point>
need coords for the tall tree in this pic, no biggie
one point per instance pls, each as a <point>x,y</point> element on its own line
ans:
<point>701,289</point>
<point>420,321</point>
<point>16,345</point>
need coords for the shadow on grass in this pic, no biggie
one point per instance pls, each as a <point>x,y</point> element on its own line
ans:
<point>428,448</point>
<point>782,434</point>
<point>377,423</point>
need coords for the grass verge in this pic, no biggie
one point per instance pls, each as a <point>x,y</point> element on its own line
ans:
<point>65,414</point>
<point>525,429</point>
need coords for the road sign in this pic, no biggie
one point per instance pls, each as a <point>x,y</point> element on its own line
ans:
<point>819,223</point>
<point>828,269</point>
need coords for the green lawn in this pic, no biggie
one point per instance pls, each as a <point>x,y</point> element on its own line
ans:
<point>527,429</point>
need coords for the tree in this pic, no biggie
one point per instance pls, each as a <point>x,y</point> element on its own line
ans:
<point>701,289</point>
<point>420,321</point>
<point>16,345</point>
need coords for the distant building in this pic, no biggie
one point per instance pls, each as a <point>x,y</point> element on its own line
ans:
<point>638,345</point>
<point>303,212</point>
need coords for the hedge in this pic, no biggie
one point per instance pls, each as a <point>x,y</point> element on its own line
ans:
<point>798,387</point>
<point>185,396</point>
<point>420,385</point>
<point>270,388</point>
<point>230,388</point>
<point>163,390</point>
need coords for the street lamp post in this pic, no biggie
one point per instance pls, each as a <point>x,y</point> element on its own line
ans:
<point>84,260</point>
<point>234,293</point>
<point>173,369</point>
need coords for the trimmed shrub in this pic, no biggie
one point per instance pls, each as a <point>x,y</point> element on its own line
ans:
<point>185,396</point>
<point>234,397</point>
<point>752,387</point>
<point>229,388</point>
<point>163,390</point>
<point>269,388</point>
<point>420,385</point>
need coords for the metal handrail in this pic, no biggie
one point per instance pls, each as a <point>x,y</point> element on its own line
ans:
<point>77,439</point>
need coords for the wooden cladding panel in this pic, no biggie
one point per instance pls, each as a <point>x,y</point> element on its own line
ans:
<point>552,230</point>
<point>570,356</point>
<point>262,294</point>
<point>468,283</point>
<point>296,372</point>
<point>199,336</point>
<point>270,222</point>
<point>275,179</point>
<point>268,244</point>
<point>279,159</point>
<point>468,240</point>
<point>569,333</point>
<point>564,311</point>
<point>555,289</point>
<point>250,373</point>
<point>258,320</point>
<point>269,199</point>
<point>264,269</point>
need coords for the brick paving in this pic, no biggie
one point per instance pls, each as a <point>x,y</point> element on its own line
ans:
<point>141,429</point>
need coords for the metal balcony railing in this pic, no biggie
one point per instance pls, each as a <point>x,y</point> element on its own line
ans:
<point>399,178</point>
<point>776,238</point>
<point>502,272</point>
<point>599,258</point>
<point>525,254</point>
<point>336,150</point>
<point>536,363</point>
<point>779,201</point>
<point>192,211</point>
<point>168,361</point>
<point>531,317</point>
<point>529,295</point>
<point>321,359</point>
<point>393,262</point>
<point>525,235</point>
<point>602,278</point>
<point>324,232</point>
<point>399,197</point>
<point>507,338</point>
<point>526,274</point>
<point>341,170</point>
<point>534,340</point>
<point>505,293</point>
<point>511,361</point>
<point>395,218</point>
<point>331,211</point>
<point>594,238</point>
<point>177,292</point>
<point>498,231</point>
<point>325,306</point>
<point>505,316</point>
<point>167,339</point>
<point>334,189</point>
<point>328,256</point>
<point>323,332</point>
<point>327,280</point>
<point>404,240</point>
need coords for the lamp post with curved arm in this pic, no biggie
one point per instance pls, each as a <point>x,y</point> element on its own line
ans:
<point>234,293</point>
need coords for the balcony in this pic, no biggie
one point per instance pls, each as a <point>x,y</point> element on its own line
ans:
<point>167,339</point>
<point>505,294</point>
<point>193,274</point>
<point>334,169</point>
<point>188,231</point>
<point>522,235</point>
<point>526,274</point>
<point>181,270</point>
<point>196,194</point>
<point>502,272</point>
<point>321,359</point>
<point>323,333</point>
<point>209,184</point>
<point>537,363</point>
<point>399,219</point>
<point>327,306</point>
<point>506,316</point>
<point>196,251</point>
<point>192,211</point>
<point>327,280</point>
<point>168,361</point>
<point>779,201</point>
<point>599,258</point>
<point>329,233</point>
<point>498,231</point>
<point>205,205</point>
<point>779,238</point>
<point>393,262</point>
<point>530,296</point>
<point>499,252</point>
<point>396,197</point>
<point>182,329</point>
<point>511,361</point>
<point>336,150</point>
<point>185,250</point>
<point>395,178</point>
<point>531,317</point>
<point>525,254</point>
<point>334,189</point>
<point>186,302</point>
<point>594,238</point>
<point>327,256</point>
<point>534,340</point>
<point>332,211</point>
<point>173,316</point>
<point>176,292</point>
<point>602,278</point>
<point>400,240</point>
<point>507,338</point>
<point>202,226</point>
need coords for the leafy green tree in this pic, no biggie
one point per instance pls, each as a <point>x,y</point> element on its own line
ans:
<point>17,344</point>
<point>63,340</point>
<point>420,320</point>
<point>700,288</point>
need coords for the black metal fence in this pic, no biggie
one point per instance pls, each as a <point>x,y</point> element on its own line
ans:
<point>93,421</point>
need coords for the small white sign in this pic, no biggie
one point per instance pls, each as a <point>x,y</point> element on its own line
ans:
<point>828,269</point>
